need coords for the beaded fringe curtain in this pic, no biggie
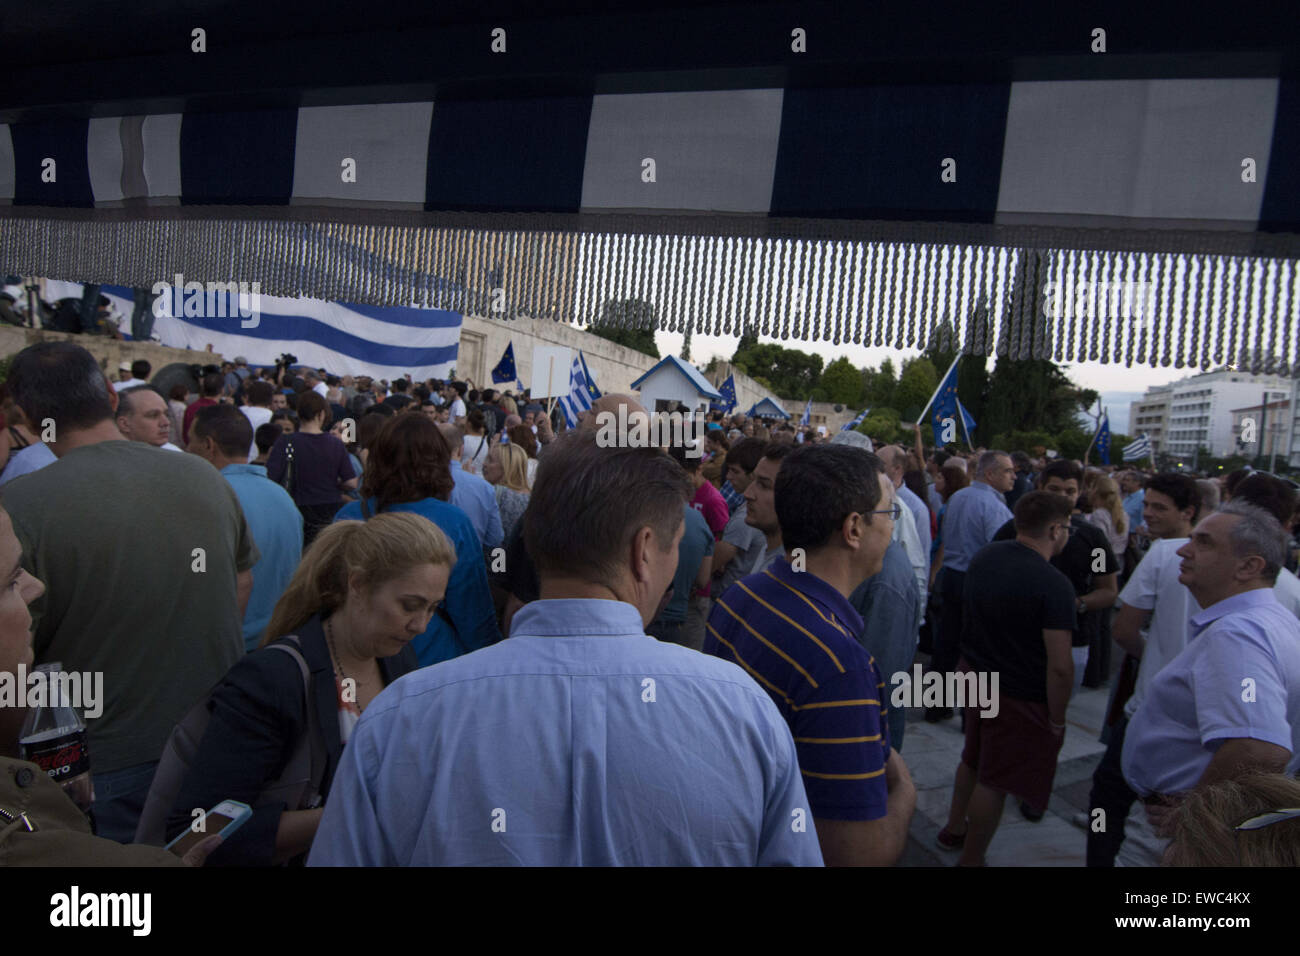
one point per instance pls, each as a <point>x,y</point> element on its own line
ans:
<point>1182,309</point>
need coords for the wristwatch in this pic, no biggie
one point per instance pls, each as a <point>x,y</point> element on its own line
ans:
<point>1080,607</point>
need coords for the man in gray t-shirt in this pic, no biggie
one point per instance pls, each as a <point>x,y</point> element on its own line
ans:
<point>146,559</point>
<point>747,545</point>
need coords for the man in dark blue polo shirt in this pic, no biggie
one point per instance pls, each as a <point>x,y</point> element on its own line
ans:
<point>793,629</point>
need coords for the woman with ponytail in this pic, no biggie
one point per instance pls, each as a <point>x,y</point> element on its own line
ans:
<point>362,594</point>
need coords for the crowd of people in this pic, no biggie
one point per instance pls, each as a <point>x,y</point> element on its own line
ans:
<point>427,624</point>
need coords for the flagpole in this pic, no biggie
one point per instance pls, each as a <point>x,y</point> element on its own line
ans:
<point>550,386</point>
<point>937,390</point>
<point>961,413</point>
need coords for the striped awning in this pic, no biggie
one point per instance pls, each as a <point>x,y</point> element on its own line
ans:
<point>870,212</point>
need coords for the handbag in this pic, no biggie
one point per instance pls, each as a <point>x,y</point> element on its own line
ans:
<point>298,785</point>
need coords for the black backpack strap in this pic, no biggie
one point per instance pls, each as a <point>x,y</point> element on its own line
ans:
<point>318,757</point>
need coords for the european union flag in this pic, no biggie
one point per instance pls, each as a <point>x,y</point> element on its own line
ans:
<point>945,405</point>
<point>967,422</point>
<point>588,382</point>
<point>1103,439</point>
<point>505,370</point>
<point>728,390</point>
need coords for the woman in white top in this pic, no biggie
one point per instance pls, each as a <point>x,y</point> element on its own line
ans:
<point>1108,515</point>
<point>523,436</point>
<point>477,443</point>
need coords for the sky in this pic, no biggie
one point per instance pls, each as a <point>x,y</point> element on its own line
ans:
<point>1117,384</point>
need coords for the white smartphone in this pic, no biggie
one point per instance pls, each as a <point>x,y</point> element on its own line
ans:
<point>222,820</point>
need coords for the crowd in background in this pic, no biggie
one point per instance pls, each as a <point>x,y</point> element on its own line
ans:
<point>701,639</point>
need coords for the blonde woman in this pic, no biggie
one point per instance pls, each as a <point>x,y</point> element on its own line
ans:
<point>507,469</point>
<point>363,592</point>
<point>1108,515</point>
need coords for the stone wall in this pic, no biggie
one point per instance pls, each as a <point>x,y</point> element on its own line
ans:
<point>109,352</point>
<point>482,342</point>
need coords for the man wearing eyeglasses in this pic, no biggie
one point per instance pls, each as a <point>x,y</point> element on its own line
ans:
<point>1230,702</point>
<point>791,626</point>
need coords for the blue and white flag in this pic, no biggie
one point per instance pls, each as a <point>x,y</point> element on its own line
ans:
<point>342,338</point>
<point>849,426</point>
<point>807,414</point>
<point>944,403</point>
<point>505,370</point>
<point>1103,439</point>
<point>728,390</point>
<point>1139,449</point>
<point>582,391</point>
<point>967,421</point>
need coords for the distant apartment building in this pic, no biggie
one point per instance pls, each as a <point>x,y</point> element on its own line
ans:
<point>1266,431</point>
<point>1197,411</point>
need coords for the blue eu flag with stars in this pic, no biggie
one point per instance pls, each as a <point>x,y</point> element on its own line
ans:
<point>505,370</point>
<point>728,390</point>
<point>1103,440</point>
<point>945,406</point>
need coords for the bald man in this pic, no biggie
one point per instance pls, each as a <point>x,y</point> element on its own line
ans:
<point>472,494</point>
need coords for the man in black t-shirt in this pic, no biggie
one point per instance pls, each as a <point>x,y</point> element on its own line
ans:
<point>1017,621</point>
<point>1090,564</point>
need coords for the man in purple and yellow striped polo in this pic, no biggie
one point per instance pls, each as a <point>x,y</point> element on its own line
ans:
<point>792,628</point>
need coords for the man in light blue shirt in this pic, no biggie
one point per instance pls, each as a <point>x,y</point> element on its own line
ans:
<point>973,517</point>
<point>1231,700</point>
<point>220,435</point>
<point>32,458</point>
<point>472,494</point>
<point>1132,484</point>
<point>580,740</point>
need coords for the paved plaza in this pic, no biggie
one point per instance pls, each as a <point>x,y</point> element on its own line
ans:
<point>932,752</point>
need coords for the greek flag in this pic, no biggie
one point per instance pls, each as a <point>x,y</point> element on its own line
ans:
<point>1138,449</point>
<point>849,426</point>
<point>582,391</point>
<point>807,413</point>
<point>343,337</point>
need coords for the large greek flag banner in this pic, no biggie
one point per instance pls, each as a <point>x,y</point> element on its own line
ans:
<point>340,337</point>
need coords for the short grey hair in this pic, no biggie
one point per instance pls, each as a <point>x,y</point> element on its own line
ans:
<point>854,439</point>
<point>1257,533</point>
<point>987,461</point>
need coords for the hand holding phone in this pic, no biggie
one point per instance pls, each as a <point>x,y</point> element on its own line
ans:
<point>222,820</point>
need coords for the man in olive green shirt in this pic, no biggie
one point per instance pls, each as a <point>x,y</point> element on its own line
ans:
<point>146,560</point>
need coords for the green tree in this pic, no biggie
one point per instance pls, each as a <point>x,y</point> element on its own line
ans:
<point>878,385</point>
<point>843,383</point>
<point>791,372</point>
<point>637,318</point>
<point>1032,395</point>
<point>915,386</point>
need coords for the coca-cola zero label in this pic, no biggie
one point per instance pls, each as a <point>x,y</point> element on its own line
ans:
<point>62,758</point>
